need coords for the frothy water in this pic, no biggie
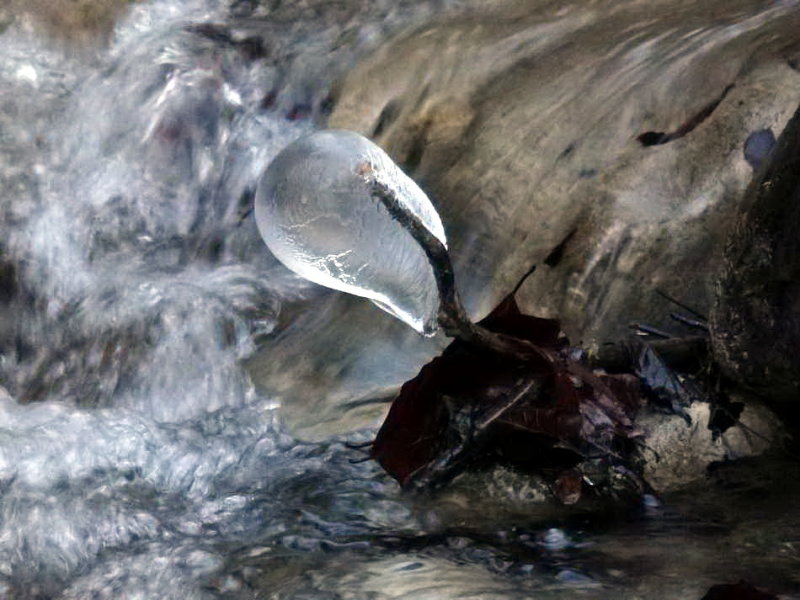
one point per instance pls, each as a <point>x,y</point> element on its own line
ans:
<point>136,457</point>
<point>135,445</point>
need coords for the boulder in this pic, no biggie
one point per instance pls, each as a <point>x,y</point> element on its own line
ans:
<point>756,317</point>
<point>604,145</point>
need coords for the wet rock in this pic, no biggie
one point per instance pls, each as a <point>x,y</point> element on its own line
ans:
<point>422,577</point>
<point>337,366</point>
<point>73,21</point>
<point>678,453</point>
<point>521,122</point>
<point>498,120</point>
<point>9,285</point>
<point>9,293</point>
<point>756,319</point>
<point>675,454</point>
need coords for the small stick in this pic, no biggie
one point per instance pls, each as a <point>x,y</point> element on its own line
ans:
<point>449,464</point>
<point>676,302</point>
<point>696,324</point>
<point>452,316</point>
<point>650,330</point>
<point>522,280</point>
<point>358,445</point>
<point>674,351</point>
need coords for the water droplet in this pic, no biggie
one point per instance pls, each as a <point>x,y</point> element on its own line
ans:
<point>316,213</point>
<point>555,539</point>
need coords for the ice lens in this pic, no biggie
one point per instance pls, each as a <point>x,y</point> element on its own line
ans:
<point>316,214</point>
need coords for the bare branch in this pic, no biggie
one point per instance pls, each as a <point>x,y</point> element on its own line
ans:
<point>452,462</point>
<point>452,317</point>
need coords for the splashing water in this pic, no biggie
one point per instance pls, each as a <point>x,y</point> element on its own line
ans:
<point>133,445</point>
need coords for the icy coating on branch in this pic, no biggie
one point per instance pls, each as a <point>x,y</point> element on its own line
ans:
<point>316,213</point>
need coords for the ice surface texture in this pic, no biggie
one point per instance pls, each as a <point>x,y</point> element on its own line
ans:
<point>316,214</point>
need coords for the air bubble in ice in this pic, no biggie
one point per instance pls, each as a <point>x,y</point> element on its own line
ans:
<point>316,214</point>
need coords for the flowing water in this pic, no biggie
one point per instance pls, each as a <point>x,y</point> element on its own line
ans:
<point>137,460</point>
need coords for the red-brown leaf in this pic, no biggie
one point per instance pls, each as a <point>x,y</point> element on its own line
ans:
<point>573,409</point>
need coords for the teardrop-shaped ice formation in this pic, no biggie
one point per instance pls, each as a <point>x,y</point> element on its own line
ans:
<point>316,214</point>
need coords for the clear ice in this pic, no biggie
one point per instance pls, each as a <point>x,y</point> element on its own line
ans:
<point>317,216</point>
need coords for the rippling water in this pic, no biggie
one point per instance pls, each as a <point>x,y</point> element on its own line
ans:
<point>136,457</point>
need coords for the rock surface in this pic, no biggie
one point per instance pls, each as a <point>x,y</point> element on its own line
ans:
<point>605,145</point>
<point>676,454</point>
<point>756,319</point>
<point>72,21</point>
<point>525,128</point>
<point>680,453</point>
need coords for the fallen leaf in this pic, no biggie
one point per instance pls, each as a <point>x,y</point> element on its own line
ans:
<point>471,403</point>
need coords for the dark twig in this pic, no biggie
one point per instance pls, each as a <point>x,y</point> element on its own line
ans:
<point>528,273</point>
<point>693,323</point>
<point>647,329</point>
<point>676,352</point>
<point>676,302</point>
<point>452,317</point>
<point>450,463</point>
<point>358,445</point>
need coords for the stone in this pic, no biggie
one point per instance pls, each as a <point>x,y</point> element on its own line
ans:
<point>679,453</point>
<point>522,122</point>
<point>675,454</point>
<point>756,317</point>
<point>72,21</point>
<point>525,131</point>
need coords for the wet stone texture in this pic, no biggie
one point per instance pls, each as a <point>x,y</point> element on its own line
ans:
<point>678,453</point>
<point>607,146</point>
<point>82,22</point>
<point>526,133</point>
<point>757,314</point>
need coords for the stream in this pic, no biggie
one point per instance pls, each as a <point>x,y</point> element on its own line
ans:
<point>137,457</point>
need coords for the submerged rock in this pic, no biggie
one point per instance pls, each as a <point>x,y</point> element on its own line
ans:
<point>674,454</point>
